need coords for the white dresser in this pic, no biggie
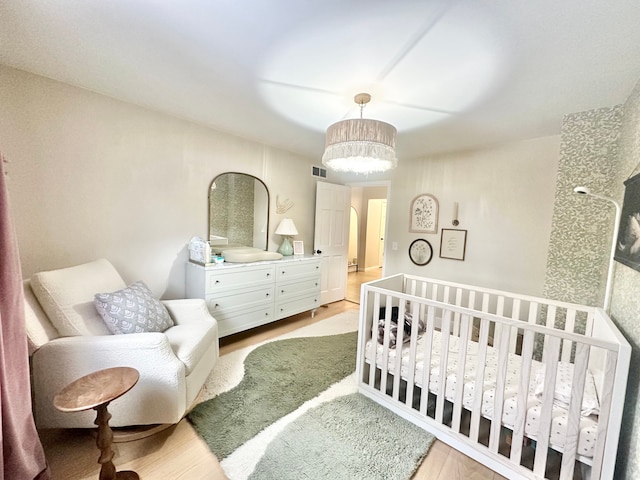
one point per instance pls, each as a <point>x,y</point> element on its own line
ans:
<point>245,295</point>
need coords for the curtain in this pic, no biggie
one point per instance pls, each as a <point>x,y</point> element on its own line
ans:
<point>22,453</point>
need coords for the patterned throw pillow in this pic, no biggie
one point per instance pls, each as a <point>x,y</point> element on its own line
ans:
<point>132,310</point>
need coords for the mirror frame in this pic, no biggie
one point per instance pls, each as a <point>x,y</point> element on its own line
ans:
<point>209,233</point>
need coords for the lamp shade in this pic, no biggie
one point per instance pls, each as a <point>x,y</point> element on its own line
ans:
<point>360,145</point>
<point>286,227</point>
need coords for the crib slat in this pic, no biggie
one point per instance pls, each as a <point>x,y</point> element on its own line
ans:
<point>605,412</point>
<point>374,339</point>
<point>569,326</point>
<point>546,409</point>
<point>515,314</point>
<point>498,396</point>
<point>550,322</point>
<point>471,303</point>
<point>460,380</point>
<point>426,364</point>
<point>573,414</point>
<point>533,312</point>
<point>479,381</point>
<point>397,370</point>
<point>415,327</point>
<point>458,302</point>
<point>445,335</point>
<point>497,327</point>
<point>522,399</point>
<point>385,345</point>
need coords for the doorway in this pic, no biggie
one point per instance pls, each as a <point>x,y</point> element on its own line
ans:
<point>369,218</point>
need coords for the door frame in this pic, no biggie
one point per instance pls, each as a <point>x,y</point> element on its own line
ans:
<point>378,183</point>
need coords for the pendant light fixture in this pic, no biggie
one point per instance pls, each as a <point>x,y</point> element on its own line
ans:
<point>360,145</point>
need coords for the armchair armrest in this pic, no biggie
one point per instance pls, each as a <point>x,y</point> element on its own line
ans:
<point>158,397</point>
<point>188,310</point>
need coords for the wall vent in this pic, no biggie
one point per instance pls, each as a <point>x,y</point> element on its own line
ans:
<point>319,172</point>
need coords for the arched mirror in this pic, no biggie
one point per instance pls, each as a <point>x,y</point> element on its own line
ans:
<point>239,210</point>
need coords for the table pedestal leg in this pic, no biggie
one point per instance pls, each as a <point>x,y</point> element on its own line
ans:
<point>103,442</point>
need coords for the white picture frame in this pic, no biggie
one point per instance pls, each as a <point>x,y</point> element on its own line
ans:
<point>423,214</point>
<point>298,247</point>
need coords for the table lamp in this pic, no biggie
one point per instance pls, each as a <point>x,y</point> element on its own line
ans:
<point>286,229</point>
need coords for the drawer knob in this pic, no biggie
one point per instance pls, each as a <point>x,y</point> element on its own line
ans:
<point>216,305</point>
<point>317,267</point>
<point>283,272</point>
<point>268,274</point>
<point>267,294</point>
<point>281,291</point>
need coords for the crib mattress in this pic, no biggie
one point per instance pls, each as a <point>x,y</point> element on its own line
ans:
<point>588,423</point>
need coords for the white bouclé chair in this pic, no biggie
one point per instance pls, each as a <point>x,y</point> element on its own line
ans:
<point>68,339</point>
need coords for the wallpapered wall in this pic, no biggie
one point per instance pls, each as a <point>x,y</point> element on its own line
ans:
<point>582,225</point>
<point>625,302</point>
<point>599,149</point>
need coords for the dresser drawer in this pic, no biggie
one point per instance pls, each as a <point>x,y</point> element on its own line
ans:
<point>238,299</point>
<point>298,269</point>
<point>297,305</point>
<point>297,288</point>
<point>243,320</point>
<point>238,278</point>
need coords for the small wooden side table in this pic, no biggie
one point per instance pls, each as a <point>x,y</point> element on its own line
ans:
<point>95,391</point>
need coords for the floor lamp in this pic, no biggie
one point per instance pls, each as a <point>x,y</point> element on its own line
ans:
<point>614,240</point>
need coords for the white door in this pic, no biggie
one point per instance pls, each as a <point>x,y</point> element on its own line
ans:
<point>333,203</point>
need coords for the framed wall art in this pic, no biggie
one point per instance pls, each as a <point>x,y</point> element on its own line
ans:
<point>628,244</point>
<point>420,252</point>
<point>423,214</point>
<point>453,243</point>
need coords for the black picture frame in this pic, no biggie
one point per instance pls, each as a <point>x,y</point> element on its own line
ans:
<point>453,243</point>
<point>420,252</point>
<point>627,249</point>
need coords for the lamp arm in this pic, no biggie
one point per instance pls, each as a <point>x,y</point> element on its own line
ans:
<point>614,241</point>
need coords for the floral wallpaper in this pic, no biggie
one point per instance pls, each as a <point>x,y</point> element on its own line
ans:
<point>599,149</point>
<point>582,226</point>
<point>625,301</point>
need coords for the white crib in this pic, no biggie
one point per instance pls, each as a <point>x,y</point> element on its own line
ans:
<point>553,373</point>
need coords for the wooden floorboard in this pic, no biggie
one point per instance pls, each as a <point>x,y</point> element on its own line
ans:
<point>179,453</point>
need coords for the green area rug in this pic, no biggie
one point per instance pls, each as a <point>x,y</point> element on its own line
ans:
<point>349,437</point>
<point>279,377</point>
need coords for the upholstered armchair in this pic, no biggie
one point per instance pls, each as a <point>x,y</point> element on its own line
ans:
<point>68,339</point>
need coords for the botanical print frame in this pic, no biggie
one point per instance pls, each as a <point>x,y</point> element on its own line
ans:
<point>453,243</point>
<point>423,214</point>
<point>298,247</point>
<point>628,244</point>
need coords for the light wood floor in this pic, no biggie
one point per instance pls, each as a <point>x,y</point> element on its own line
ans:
<point>355,279</point>
<point>179,453</point>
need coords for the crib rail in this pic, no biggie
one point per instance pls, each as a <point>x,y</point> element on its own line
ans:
<point>458,337</point>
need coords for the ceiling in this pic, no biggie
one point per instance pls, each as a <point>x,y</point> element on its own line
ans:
<point>450,75</point>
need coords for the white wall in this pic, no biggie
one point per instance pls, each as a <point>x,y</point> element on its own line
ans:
<point>91,177</point>
<point>94,177</point>
<point>505,197</point>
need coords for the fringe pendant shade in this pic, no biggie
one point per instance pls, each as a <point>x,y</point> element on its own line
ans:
<point>360,145</point>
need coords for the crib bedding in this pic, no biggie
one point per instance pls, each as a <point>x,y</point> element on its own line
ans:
<point>588,423</point>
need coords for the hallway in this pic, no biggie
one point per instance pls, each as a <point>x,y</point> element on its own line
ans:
<point>355,279</point>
